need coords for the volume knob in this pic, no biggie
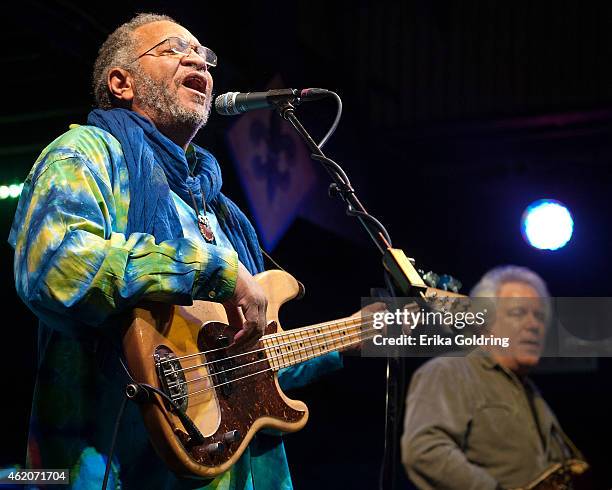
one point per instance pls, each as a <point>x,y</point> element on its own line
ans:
<point>215,447</point>
<point>231,436</point>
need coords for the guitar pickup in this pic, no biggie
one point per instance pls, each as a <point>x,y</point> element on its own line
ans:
<point>221,368</point>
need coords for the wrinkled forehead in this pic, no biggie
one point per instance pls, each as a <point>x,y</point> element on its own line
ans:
<point>517,289</point>
<point>534,304</point>
<point>519,294</point>
<point>153,33</point>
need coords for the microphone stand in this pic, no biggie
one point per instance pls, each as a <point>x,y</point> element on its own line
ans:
<point>397,266</point>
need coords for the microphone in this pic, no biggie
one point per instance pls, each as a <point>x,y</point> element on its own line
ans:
<point>234,103</point>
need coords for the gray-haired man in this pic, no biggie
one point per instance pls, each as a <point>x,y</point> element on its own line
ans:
<point>477,422</point>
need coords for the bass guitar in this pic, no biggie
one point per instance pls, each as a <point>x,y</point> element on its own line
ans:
<point>207,399</point>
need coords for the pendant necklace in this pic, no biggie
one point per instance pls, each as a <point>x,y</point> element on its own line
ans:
<point>203,223</point>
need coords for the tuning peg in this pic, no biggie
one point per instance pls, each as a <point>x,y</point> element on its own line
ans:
<point>449,283</point>
<point>431,279</point>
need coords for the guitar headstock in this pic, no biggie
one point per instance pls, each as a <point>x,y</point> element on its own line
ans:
<point>444,282</point>
<point>443,294</point>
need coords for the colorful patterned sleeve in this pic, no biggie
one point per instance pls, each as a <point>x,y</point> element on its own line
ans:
<point>71,264</point>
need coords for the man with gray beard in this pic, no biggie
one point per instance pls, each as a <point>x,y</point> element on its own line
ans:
<point>153,96</point>
<point>123,210</point>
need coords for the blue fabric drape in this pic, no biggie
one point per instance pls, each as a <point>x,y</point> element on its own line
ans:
<point>155,165</point>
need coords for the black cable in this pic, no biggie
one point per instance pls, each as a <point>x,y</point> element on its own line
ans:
<point>354,212</point>
<point>136,391</point>
<point>190,427</point>
<point>113,441</point>
<point>393,401</point>
<point>139,392</point>
<point>336,120</point>
<point>343,188</point>
<point>337,169</point>
<point>334,167</point>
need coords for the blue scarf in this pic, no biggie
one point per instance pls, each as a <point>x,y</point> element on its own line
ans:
<point>155,166</point>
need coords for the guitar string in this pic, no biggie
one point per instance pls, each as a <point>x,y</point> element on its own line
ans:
<point>272,335</point>
<point>278,334</point>
<point>291,362</point>
<point>253,374</point>
<point>314,354</point>
<point>360,324</point>
<point>352,322</point>
<point>294,352</point>
<point>276,347</point>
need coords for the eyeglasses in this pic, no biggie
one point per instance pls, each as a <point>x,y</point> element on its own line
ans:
<point>177,45</point>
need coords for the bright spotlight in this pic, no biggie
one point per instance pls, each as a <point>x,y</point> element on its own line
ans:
<point>547,224</point>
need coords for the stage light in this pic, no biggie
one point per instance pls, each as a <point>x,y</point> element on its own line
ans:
<point>13,190</point>
<point>547,224</point>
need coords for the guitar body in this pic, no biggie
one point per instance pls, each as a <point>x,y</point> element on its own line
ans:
<point>183,351</point>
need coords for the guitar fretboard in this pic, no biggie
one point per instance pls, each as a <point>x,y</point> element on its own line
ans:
<point>301,344</point>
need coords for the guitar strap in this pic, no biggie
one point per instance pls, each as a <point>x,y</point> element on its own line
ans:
<point>278,266</point>
<point>530,391</point>
<point>568,449</point>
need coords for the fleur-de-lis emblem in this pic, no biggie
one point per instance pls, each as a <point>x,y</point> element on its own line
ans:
<point>272,167</point>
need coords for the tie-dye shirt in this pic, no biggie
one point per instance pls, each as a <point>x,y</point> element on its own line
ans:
<point>76,270</point>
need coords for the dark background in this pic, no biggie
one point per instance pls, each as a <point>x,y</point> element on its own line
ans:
<point>457,115</point>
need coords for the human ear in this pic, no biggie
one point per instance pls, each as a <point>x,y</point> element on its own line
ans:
<point>121,85</point>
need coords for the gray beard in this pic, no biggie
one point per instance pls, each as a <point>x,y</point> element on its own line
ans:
<point>165,105</point>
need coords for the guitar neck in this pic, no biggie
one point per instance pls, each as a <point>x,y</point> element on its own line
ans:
<point>292,347</point>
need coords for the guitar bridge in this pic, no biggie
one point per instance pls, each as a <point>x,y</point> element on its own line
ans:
<point>171,377</point>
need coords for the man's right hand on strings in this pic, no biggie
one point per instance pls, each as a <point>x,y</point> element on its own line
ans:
<point>246,310</point>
